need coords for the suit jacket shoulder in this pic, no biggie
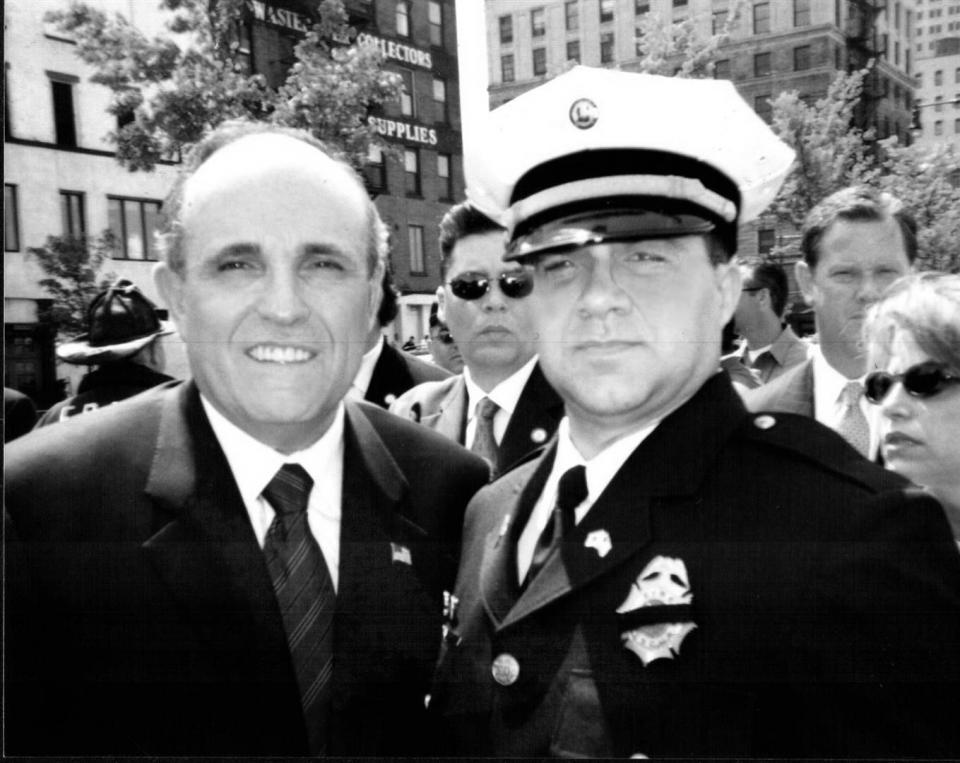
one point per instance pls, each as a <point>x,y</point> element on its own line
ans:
<point>791,392</point>
<point>396,372</point>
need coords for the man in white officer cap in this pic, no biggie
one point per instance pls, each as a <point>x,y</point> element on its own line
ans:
<point>673,576</point>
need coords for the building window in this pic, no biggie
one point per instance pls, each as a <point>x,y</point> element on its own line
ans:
<point>956,126</point>
<point>719,22</point>
<point>761,18</point>
<point>538,22</point>
<point>506,29</point>
<point>956,101</point>
<point>435,17</point>
<point>938,127</point>
<point>938,77</point>
<point>406,93</point>
<point>606,10</point>
<point>721,69</point>
<point>606,47</point>
<point>938,104</point>
<point>801,58</point>
<point>638,42</point>
<point>11,219</point>
<point>415,238</point>
<point>896,53</point>
<point>411,171</point>
<point>65,128</point>
<point>640,7</point>
<point>440,99</point>
<point>72,215</point>
<point>761,105</point>
<point>445,176</point>
<point>403,18</point>
<point>133,223</point>
<point>761,65</point>
<point>571,15</point>
<point>539,62</point>
<point>679,3</point>
<point>766,238</point>
<point>956,75</point>
<point>801,12</point>
<point>376,170</point>
<point>573,50</point>
<point>506,68</point>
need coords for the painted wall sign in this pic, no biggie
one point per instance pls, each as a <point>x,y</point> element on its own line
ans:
<point>281,17</point>
<point>397,51</point>
<point>395,130</point>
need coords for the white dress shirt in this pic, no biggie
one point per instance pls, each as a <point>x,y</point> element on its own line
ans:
<point>828,405</point>
<point>254,464</point>
<point>358,390</point>
<point>506,395</point>
<point>601,469</point>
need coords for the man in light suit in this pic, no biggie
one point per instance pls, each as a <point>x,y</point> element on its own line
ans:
<point>855,243</point>
<point>674,577</point>
<point>386,372</point>
<point>483,303</point>
<point>770,347</point>
<point>242,564</point>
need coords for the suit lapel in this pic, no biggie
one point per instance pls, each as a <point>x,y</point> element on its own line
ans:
<point>208,554</point>
<point>535,419</point>
<point>498,571</point>
<point>390,377</point>
<point>450,418</point>
<point>672,461</point>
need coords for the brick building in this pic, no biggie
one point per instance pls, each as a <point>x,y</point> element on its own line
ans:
<point>61,177</point>
<point>938,71</point>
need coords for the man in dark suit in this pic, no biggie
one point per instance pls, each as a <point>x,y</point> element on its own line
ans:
<point>501,406</point>
<point>386,372</point>
<point>674,577</point>
<point>19,414</point>
<point>242,564</point>
<point>855,243</point>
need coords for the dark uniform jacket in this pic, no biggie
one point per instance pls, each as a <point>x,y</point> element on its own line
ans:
<point>442,406</point>
<point>745,586</point>
<point>110,383</point>
<point>140,614</point>
<point>396,372</point>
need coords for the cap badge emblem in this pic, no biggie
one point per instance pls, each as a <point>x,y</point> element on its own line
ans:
<point>584,113</point>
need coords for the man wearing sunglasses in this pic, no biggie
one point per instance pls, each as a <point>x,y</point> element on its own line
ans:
<point>673,576</point>
<point>501,406</point>
<point>855,243</point>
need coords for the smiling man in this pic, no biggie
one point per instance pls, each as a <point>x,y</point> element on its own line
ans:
<point>855,243</point>
<point>243,564</point>
<point>500,406</point>
<point>672,576</point>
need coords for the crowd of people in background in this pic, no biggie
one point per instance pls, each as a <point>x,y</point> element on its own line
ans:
<point>622,509</point>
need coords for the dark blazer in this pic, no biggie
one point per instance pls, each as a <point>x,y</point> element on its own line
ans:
<point>141,617</point>
<point>396,372</point>
<point>19,414</point>
<point>823,618</point>
<point>442,406</point>
<point>792,392</point>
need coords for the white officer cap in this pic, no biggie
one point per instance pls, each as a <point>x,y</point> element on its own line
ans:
<point>597,155</point>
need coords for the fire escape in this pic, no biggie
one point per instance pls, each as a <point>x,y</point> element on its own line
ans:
<point>863,45</point>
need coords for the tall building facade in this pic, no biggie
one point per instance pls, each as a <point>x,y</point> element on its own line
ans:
<point>61,177</point>
<point>773,46</point>
<point>938,71</point>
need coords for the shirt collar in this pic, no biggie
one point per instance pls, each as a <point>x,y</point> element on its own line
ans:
<point>362,380</point>
<point>254,464</point>
<point>506,394</point>
<point>603,467</point>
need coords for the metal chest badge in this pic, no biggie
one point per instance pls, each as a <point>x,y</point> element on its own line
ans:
<point>584,113</point>
<point>661,591</point>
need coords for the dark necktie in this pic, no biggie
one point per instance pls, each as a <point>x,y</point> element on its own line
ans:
<point>571,492</point>
<point>763,365</point>
<point>484,443</point>
<point>304,591</point>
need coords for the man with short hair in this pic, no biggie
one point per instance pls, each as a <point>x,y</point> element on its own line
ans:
<point>855,243</point>
<point>500,406</point>
<point>123,341</point>
<point>443,347</point>
<point>386,372</point>
<point>243,564</point>
<point>770,346</point>
<point>674,577</point>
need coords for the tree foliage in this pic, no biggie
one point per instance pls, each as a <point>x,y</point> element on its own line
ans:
<point>178,86</point>
<point>73,266</point>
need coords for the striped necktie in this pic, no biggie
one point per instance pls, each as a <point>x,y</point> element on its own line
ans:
<point>304,591</point>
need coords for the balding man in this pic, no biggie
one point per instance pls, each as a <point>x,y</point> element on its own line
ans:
<point>243,564</point>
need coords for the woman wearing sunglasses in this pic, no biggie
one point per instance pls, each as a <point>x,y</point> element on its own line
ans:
<point>913,336</point>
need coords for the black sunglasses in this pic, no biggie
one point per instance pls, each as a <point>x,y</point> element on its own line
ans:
<point>444,337</point>
<point>514,285</point>
<point>922,380</point>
